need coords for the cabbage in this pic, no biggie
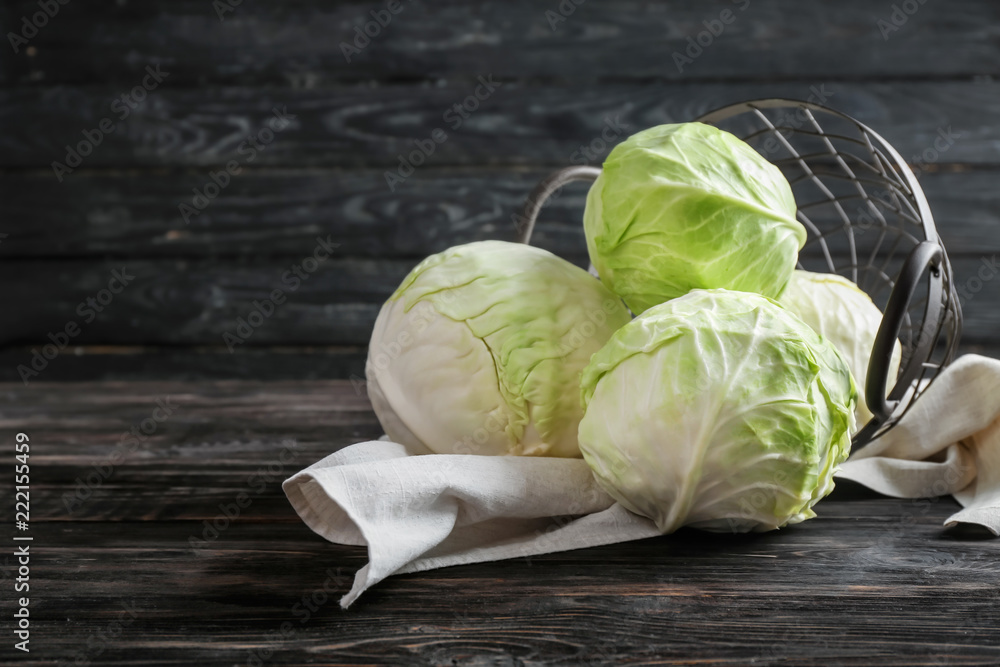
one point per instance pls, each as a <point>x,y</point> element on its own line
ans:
<point>688,206</point>
<point>719,410</point>
<point>480,351</point>
<point>840,312</point>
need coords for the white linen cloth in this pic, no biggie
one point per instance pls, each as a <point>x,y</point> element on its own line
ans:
<point>419,512</point>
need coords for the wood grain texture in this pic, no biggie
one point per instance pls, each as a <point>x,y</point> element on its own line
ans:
<point>518,124</point>
<point>203,299</point>
<point>220,438</point>
<point>298,43</point>
<point>864,584</point>
<point>281,212</point>
<point>869,581</point>
<point>190,363</point>
<point>204,363</point>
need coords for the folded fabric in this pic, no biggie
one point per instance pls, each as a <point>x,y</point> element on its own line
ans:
<point>418,512</point>
<point>947,444</point>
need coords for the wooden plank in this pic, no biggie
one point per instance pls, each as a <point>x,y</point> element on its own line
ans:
<point>268,212</point>
<point>299,43</point>
<point>868,580</point>
<point>518,124</point>
<point>274,410</point>
<point>140,363</point>
<point>272,212</point>
<point>868,583</point>
<point>195,302</point>
<point>86,466</point>
<point>334,305</point>
<point>119,363</point>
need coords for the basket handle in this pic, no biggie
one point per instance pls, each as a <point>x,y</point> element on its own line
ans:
<point>925,256</point>
<point>525,220</point>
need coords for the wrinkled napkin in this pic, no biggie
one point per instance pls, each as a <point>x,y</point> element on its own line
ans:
<point>417,512</point>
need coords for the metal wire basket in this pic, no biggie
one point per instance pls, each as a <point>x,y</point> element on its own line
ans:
<point>867,219</point>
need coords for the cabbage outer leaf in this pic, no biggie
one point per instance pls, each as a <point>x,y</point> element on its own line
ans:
<point>480,350</point>
<point>718,410</point>
<point>689,206</point>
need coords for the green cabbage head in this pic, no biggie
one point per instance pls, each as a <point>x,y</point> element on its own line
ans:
<point>689,206</point>
<point>480,351</point>
<point>718,410</point>
<point>839,311</point>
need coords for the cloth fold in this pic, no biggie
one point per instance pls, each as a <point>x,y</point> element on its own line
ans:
<point>417,512</point>
<point>948,443</point>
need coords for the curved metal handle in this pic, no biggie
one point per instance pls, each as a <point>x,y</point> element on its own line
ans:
<point>927,255</point>
<point>525,220</point>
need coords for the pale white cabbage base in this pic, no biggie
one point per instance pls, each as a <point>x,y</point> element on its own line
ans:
<point>439,363</point>
<point>841,312</point>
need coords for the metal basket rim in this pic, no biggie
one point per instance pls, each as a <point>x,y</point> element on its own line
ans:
<point>903,394</point>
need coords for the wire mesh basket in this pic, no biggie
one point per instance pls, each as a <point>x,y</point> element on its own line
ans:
<point>867,220</point>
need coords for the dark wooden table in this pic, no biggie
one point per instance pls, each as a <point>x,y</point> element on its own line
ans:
<point>131,574</point>
<point>126,567</point>
<point>568,69</point>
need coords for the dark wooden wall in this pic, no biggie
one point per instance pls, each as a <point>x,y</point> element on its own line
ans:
<point>323,174</point>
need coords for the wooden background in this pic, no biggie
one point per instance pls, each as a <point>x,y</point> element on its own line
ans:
<point>324,174</point>
<point>870,581</point>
